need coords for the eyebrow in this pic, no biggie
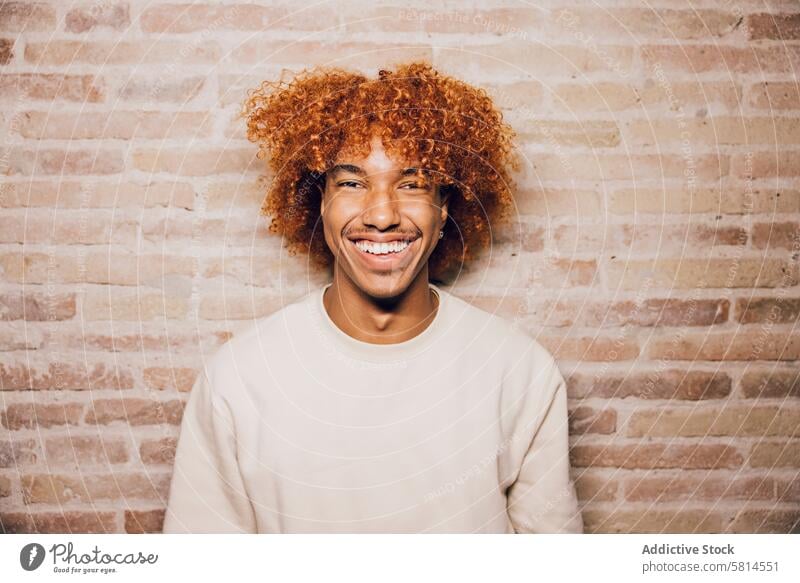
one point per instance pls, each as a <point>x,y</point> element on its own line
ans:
<point>353,169</point>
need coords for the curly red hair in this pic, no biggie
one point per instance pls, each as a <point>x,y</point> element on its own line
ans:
<point>452,129</point>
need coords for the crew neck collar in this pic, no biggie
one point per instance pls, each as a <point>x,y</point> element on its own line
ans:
<point>368,351</point>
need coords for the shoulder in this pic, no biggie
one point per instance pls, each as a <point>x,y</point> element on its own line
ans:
<point>247,353</point>
<point>529,371</point>
<point>498,332</point>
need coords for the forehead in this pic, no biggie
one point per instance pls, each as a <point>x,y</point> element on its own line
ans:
<point>377,159</point>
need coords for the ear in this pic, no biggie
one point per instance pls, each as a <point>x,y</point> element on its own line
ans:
<point>321,186</point>
<point>444,199</point>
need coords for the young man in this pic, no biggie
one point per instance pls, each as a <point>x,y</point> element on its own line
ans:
<point>380,402</point>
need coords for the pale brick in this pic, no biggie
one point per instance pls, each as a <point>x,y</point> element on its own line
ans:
<point>656,456</point>
<point>89,488</point>
<point>546,202</point>
<point>91,195</point>
<point>97,16</point>
<point>63,521</point>
<point>773,26</point>
<point>169,378</point>
<point>240,306</point>
<point>107,53</point>
<point>72,161</point>
<point>41,415</point>
<point>515,95</point>
<point>770,384</point>
<point>188,18</point>
<point>590,134</point>
<point>657,384</point>
<point>37,306</point>
<point>158,451</point>
<point>230,195</point>
<point>594,349</point>
<point>347,54</point>
<point>27,17</point>
<point>744,346</point>
<point>242,232</point>
<point>652,522</point>
<point>164,88</point>
<point>68,228</point>
<point>695,96</point>
<point>196,162</point>
<point>559,273</point>
<point>789,490</point>
<point>703,58</point>
<point>5,488</point>
<point>777,235</point>
<point>702,273</point>
<point>600,96</point>
<point>657,239</point>
<point>596,488</point>
<point>49,87</point>
<point>14,454</point>
<point>766,164</point>
<point>505,305</point>
<point>778,310</point>
<point>121,125</point>
<point>719,130</point>
<point>133,306</point>
<point>152,338</point>
<point>591,420</point>
<point>81,451</point>
<point>78,375</point>
<point>708,487</point>
<point>545,59</point>
<point>771,520</point>
<point>775,454</point>
<point>135,412</point>
<point>667,201</point>
<point>253,270</point>
<point>611,96</point>
<point>734,421</point>
<point>649,22</point>
<point>633,167</point>
<point>96,267</point>
<point>774,95</point>
<point>394,19</point>
<point>144,521</point>
<point>6,51</point>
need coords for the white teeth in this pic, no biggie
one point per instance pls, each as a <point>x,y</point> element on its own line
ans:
<point>382,248</point>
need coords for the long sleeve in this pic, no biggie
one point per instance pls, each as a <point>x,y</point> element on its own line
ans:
<point>543,498</point>
<point>207,494</point>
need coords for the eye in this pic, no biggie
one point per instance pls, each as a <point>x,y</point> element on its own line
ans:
<point>415,186</point>
<point>348,184</point>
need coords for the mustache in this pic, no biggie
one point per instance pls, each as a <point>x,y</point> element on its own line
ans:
<point>409,234</point>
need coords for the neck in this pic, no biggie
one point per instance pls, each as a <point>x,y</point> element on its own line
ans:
<point>380,320</point>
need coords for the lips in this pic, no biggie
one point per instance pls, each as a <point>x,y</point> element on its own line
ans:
<point>365,249</point>
<point>382,238</point>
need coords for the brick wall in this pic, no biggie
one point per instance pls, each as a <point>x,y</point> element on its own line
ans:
<point>655,251</point>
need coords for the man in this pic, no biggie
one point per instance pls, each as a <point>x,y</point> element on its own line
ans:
<point>380,402</point>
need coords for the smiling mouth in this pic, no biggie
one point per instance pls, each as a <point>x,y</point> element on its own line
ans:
<point>382,255</point>
<point>375,248</point>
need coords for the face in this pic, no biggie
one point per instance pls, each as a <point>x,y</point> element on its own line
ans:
<point>381,221</point>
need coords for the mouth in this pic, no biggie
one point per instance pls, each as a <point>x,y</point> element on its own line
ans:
<point>384,256</point>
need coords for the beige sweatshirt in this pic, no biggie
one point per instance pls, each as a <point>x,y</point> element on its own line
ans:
<point>296,427</point>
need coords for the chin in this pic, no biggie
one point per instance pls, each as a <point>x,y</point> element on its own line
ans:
<point>386,287</point>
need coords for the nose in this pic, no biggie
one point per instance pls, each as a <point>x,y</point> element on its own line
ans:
<point>381,208</point>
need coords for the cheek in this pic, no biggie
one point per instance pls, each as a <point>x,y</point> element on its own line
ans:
<point>338,214</point>
<point>425,215</point>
